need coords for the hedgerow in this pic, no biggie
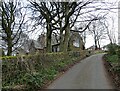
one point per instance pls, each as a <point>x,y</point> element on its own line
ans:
<point>33,71</point>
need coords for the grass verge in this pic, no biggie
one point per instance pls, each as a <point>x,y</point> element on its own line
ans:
<point>113,67</point>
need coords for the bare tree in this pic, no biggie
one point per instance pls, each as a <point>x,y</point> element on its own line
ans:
<point>98,32</point>
<point>110,32</point>
<point>46,17</point>
<point>63,16</point>
<point>13,24</point>
<point>57,16</point>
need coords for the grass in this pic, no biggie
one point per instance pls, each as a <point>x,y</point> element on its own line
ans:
<point>113,58</point>
<point>114,68</point>
<point>115,62</point>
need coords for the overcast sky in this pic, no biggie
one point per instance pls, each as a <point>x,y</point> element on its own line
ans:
<point>90,41</point>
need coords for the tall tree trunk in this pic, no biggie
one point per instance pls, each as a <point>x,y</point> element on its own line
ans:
<point>48,39</point>
<point>96,44</point>
<point>61,41</point>
<point>64,44</point>
<point>95,40</point>
<point>66,38</point>
<point>9,48</point>
<point>99,44</point>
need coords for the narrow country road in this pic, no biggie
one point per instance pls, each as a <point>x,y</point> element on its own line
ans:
<point>88,74</point>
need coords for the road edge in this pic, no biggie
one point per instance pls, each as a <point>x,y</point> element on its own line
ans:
<point>109,73</point>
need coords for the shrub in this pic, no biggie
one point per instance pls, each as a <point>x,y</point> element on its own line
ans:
<point>118,52</point>
<point>112,48</point>
<point>33,80</point>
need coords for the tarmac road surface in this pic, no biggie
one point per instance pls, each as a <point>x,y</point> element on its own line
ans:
<point>88,74</point>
